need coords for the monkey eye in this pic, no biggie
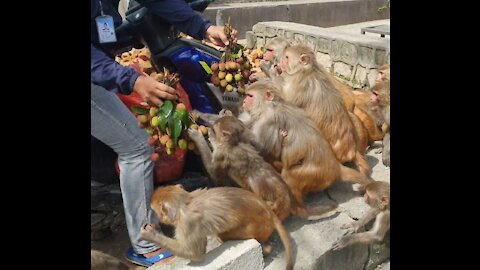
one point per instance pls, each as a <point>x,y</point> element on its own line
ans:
<point>270,50</point>
<point>249,95</point>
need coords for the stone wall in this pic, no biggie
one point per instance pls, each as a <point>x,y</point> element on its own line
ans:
<point>354,59</point>
<point>322,13</point>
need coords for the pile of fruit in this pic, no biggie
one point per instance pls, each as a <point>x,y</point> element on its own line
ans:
<point>166,123</point>
<point>139,57</point>
<point>254,56</point>
<point>236,65</point>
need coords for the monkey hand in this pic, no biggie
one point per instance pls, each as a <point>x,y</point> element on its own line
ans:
<point>196,114</point>
<point>225,112</point>
<point>148,232</point>
<point>194,134</point>
<point>341,243</point>
<point>351,227</point>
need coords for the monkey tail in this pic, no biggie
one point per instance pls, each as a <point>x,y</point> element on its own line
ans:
<point>349,174</point>
<point>305,212</point>
<point>285,237</point>
<point>362,164</point>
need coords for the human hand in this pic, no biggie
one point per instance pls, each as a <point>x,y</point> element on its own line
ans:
<point>216,35</point>
<point>153,91</point>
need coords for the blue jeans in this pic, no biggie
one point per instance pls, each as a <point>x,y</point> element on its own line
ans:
<point>113,124</point>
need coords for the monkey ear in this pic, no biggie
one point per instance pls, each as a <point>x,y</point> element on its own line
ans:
<point>384,200</point>
<point>163,208</point>
<point>304,59</point>
<point>226,134</point>
<point>269,95</point>
<point>179,185</point>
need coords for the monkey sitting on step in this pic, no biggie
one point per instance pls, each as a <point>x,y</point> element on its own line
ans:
<point>229,212</point>
<point>377,196</point>
<point>241,162</point>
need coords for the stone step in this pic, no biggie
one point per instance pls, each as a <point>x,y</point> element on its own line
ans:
<point>352,57</point>
<point>311,239</point>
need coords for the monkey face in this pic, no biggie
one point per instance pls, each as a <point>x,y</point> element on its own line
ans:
<point>366,198</point>
<point>380,77</point>
<point>217,131</point>
<point>285,59</point>
<point>374,98</point>
<point>269,54</point>
<point>248,101</point>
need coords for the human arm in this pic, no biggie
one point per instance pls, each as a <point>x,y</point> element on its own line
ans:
<point>185,19</point>
<point>110,74</point>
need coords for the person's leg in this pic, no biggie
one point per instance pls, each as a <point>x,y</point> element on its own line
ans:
<point>113,124</point>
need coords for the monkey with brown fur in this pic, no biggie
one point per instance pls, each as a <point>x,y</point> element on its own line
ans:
<point>308,162</point>
<point>371,116</point>
<point>271,65</point>
<point>381,100</point>
<point>306,85</point>
<point>272,58</point>
<point>383,74</point>
<point>377,196</point>
<point>229,212</point>
<point>241,162</point>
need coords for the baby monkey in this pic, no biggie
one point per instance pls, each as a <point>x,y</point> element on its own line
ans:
<point>377,196</point>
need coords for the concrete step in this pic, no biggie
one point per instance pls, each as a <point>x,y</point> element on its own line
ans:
<point>311,239</point>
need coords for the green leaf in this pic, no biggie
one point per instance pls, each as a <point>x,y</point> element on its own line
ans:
<point>183,115</point>
<point>162,122</point>
<point>140,110</point>
<point>166,108</point>
<point>176,126</point>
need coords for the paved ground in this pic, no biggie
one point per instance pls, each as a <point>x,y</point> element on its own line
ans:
<point>313,238</point>
<point>354,29</point>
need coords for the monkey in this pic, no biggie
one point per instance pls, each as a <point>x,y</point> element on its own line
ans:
<point>383,74</point>
<point>308,162</point>
<point>241,162</point>
<point>275,49</point>
<point>271,62</point>
<point>307,85</point>
<point>103,261</point>
<point>381,100</point>
<point>369,116</point>
<point>377,196</point>
<point>229,212</point>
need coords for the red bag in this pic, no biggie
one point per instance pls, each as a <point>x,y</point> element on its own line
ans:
<point>168,167</point>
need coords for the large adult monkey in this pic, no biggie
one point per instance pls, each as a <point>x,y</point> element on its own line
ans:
<point>308,162</point>
<point>306,85</point>
<point>241,162</point>
<point>272,59</point>
<point>229,212</point>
